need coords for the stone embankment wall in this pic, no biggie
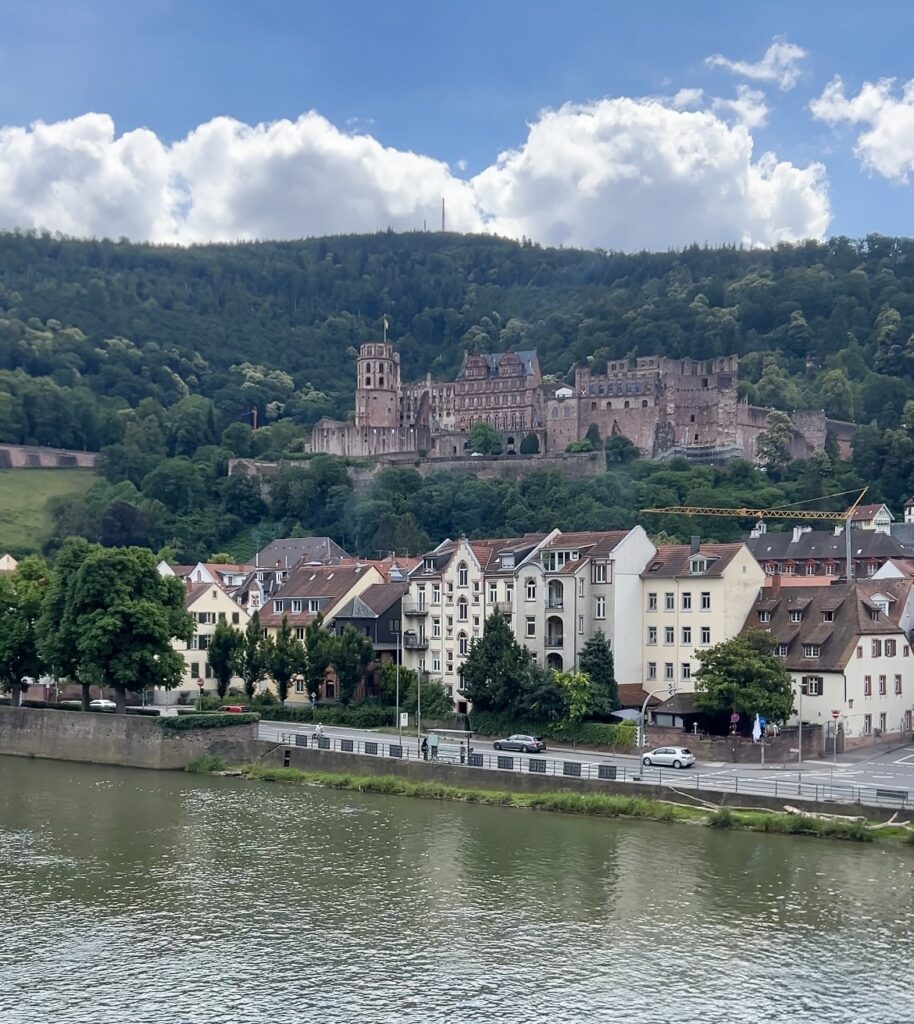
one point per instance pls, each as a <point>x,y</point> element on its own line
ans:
<point>309,759</point>
<point>131,740</point>
<point>19,456</point>
<point>737,749</point>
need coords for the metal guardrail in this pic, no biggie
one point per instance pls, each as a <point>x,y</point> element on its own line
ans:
<point>688,778</point>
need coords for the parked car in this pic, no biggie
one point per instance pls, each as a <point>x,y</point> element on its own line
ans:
<point>525,744</point>
<point>673,757</point>
<point>102,705</point>
<point>233,709</point>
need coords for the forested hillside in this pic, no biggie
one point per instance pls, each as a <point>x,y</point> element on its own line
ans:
<point>157,355</point>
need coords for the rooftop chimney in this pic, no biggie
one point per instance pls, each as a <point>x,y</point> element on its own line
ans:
<point>695,545</point>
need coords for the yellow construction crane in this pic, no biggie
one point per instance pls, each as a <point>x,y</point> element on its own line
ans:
<point>777,513</point>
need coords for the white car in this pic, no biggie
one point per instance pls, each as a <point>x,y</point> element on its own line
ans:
<point>673,757</point>
<point>102,705</point>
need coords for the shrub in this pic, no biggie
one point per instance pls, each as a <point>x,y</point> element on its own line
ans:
<point>597,734</point>
<point>723,817</point>
<point>181,723</point>
<point>206,763</point>
<point>359,716</point>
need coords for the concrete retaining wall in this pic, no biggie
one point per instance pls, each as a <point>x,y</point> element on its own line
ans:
<point>130,740</point>
<point>308,759</point>
<point>20,456</point>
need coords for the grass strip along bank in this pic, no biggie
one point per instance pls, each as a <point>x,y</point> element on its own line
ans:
<point>605,805</point>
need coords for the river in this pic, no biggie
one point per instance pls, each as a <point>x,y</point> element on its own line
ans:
<point>137,896</point>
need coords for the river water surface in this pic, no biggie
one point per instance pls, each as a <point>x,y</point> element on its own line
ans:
<point>137,896</point>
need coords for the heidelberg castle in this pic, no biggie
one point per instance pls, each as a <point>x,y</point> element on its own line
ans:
<point>666,407</point>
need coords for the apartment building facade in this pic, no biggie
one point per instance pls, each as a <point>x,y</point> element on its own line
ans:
<point>846,653</point>
<point>693,596</point>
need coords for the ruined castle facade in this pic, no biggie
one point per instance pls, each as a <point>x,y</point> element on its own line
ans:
<point>666,407</point>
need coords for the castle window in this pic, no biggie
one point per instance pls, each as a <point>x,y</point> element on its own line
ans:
<point>643,403</point>
<point>593,405</point>
<point>626,405</point>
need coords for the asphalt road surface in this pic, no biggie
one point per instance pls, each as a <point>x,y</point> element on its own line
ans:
<point>885,778</point>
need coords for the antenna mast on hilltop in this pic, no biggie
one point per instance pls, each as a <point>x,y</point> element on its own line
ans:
<point>442,213</point>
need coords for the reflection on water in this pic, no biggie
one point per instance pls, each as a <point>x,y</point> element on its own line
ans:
<point>129,896</point>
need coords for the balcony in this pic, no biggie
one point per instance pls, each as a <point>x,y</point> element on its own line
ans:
<point>415,643</point>
<point>415,609</point>
<point>505,607</point>
<point>555,602</point>
<point>554,641</point>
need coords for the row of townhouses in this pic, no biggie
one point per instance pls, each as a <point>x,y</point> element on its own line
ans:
<point>846,645</point>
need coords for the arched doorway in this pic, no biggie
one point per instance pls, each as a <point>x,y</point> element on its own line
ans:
<point>554,661</point>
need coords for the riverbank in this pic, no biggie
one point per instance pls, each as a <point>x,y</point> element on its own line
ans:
<point>701,814</point>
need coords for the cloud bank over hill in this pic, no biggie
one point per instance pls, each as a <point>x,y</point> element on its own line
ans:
<point>623,173</point>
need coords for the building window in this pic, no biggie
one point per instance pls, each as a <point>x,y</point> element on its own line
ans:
<point>697,566</point>
<point>877,648</point>
<point>296,604</point>
<point>278,606</point>
<point>867,686</point>
<point>810,650</point>
<point>436,627</point>
<point>300,686</point>
<point>828,616</point>
<point>794,615</point>
<point>686,670</point>
<point>600,574</point>
<point>687,635</point>
<point>790,569</point>
<point>687,601</point>
<point>668,671</point>
<point>890,648</point>
<point>599,608</point>
<point>236,618</point>
<point>860,650</point>
<point>428,565</point>
<point>531,588</point>
<point>867,725</point>
<point>830,569</point>
<point>531,627</point>
<point>781,650</point>
<point>509,592</point>
<point>811,686</point>
<point>705,635</point>
<point>436,663</point>
<point>449,662</point>
<point>669,602</point>
<point>810,569</point>
<point>652,602</point>
<point>652,670</point>
<point>652,635</point>
<point>897,684</point>
<point>195,670</point>
<point>764,616</point>
<point>463,610</point>
<point>463,575</point>
<point>882,686</point>
<point>299,632</point>
<point>208,670</point>
<point>669,635</point>
<point>314,605</point>
<point>705,601</point>
<point>581,625</point>
<point>882,722</point>
<point>436,593</point>
<point>462,644</point>
<point>493,593</point>
<point>581,587</point>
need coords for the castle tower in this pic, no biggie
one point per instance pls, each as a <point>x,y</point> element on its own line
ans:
<point>377,396</point>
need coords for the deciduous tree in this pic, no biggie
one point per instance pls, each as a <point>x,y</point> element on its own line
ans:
<point>225,648</point>
<point>286,659</point>
<point>597,662</point>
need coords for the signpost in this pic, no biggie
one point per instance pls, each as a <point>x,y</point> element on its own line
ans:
<point>834,755</point>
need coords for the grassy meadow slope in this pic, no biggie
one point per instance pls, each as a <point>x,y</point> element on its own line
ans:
<point>25,519</point>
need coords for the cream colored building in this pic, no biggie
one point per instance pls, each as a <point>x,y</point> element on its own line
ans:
<point>573,585</point>
<point>692,597</point>
<point>846,652</point>
<point>208,604</point>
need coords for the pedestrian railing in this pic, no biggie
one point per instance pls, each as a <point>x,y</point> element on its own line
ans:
<point>687,778</point>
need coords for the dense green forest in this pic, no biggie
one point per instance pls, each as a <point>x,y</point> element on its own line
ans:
<point>157,356</point>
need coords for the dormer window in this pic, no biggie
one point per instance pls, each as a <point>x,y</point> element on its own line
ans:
<point>697,565</point>
<point>428,564</point>
<point>314,604</point>
<point>795,615</point>
<point>811,650</point>
<point>781,650</point>
<point>764,616</point>
<point>507,561</point>
<point>828,616</point>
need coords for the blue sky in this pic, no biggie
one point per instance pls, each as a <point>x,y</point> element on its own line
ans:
<point>454,84</point>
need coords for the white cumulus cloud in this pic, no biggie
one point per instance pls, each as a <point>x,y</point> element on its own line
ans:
<point>780,63</point>
<point>887,143</point>
<point>618,173</point>
<point>633,174</point>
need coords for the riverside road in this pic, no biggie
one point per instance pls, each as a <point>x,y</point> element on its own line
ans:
<point>883,778</point>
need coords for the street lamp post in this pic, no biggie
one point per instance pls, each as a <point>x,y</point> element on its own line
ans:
<point>399,659</point>
<point>418,709</point>
<point>653,693</point>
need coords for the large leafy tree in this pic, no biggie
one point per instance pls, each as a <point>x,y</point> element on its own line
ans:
<point>21,595</point>
<point>484,439</point>
<point>352,653</point>
<point>497,668</point>
<point>743,675</point>
<point>253,655</point>
<point>285,658</point>
<point>319,651</point>
<point>125,615</point>
<point>596,661</point>
<point>224,650</point>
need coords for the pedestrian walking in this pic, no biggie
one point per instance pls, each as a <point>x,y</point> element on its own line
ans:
<point>424,748</point>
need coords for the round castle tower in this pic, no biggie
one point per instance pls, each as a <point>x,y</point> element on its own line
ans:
<point>377,396</point>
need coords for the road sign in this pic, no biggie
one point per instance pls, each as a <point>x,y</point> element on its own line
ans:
<point>404,719</point>
<point>200,684</point>
<point>734,718</point>
<point>762,722</point>
<point>836,714</point>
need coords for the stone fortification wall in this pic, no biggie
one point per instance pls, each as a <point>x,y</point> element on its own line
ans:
<point>131,740</point>
<point>23,456</point>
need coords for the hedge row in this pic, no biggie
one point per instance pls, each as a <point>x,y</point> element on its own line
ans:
<point>598,734</point>
<point>362,716</point>
<point>180,723</point>
<point>70,706</point>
